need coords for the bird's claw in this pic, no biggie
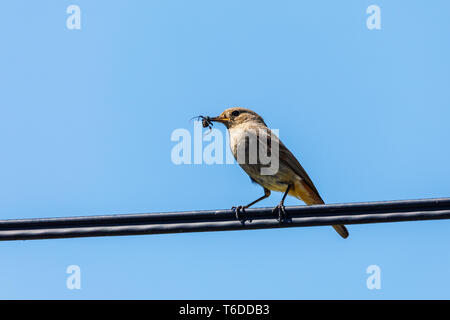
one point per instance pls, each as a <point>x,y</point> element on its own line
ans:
<point>239,212</point>
<point>282,216</point>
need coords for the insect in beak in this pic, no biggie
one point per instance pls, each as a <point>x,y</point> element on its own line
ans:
<point>206,121</point>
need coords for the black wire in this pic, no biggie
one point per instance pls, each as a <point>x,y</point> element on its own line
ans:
<point>221,220</point>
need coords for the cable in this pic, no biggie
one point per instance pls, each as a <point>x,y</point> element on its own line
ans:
<point>222,220</point>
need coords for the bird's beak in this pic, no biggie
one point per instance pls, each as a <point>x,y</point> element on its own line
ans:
<point>220,119</point>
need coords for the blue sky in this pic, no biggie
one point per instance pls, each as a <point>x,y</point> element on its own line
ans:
<point>87,115</point>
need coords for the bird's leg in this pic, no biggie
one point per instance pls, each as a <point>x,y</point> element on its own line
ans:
<point>237,210</point>
<point>282,216</point>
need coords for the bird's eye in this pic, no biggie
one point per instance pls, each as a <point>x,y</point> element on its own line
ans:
<point>235,113</point>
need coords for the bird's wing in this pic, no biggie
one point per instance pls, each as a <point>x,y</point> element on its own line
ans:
<point>305,189</point>
<point>287,158</point>
<point>291,161</point>
<point>266,141</point>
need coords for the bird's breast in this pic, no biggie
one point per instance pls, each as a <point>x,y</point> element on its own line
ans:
<point>237,136</point>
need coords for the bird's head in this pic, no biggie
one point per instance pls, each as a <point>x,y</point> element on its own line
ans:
<point>234,117</point>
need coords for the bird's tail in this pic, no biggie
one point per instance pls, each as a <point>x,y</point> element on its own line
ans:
<point>309,196</point>
<point>342,230</point>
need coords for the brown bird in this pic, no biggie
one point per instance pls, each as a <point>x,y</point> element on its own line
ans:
<point>267,161</point>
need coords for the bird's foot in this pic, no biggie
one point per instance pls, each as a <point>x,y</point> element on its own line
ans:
<point>239,212</point>
<point>280,211</point>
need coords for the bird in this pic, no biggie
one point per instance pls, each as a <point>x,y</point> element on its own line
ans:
<point>246,127</point>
